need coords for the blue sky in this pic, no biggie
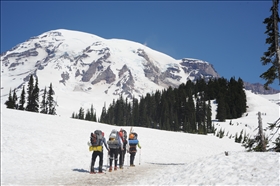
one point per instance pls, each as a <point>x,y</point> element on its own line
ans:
<point>227,34</point>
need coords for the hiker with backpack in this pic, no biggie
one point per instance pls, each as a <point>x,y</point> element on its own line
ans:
<point>97,140</point>
<point>133,143</point>
<point>123,136</point>
<point>114,143</point>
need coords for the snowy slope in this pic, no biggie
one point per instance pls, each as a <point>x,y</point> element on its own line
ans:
<point>38,149</point>
<point>265,104</point>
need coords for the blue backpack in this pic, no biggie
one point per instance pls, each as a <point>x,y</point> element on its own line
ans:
<point>132,140</point>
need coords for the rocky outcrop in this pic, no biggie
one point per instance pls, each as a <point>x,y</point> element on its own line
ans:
<point>258,88</point>
<point>65,76</point>
<point>106,75</point>
<point>199,69</point>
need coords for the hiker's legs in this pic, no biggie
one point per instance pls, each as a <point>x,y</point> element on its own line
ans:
<point>93,158</point>
<point>111,153</point>
<point>124,152</point>
<point>100,160</point>
<point>116,156</point>
<point>132,156</point>
<point>121,157</point>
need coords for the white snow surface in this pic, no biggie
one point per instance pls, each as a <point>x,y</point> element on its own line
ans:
<point>39,149</point>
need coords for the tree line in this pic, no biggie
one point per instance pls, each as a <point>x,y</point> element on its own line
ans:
<point>46,106</point>
<point>90,115</point>
<point>186,108</point>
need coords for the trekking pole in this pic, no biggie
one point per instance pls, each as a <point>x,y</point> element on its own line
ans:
<point>107,162</point>
<point>127,159</point>
<point>140,157</point>
<point>123,158</point>
<point>90,166</point>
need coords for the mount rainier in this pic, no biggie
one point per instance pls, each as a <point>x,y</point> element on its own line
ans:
<point>97,70</point>
<point>75,61</point>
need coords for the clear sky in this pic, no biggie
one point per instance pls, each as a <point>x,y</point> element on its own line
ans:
<point>228,34</point>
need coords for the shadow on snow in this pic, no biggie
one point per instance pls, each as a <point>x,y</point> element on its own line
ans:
<point>166,163</point>
<point>80,170</point>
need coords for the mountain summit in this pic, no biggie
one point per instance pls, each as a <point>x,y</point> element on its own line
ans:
<point>78,61</point>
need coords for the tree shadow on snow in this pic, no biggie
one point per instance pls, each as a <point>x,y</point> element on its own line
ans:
<point>80,170</point>
<point>166,163</point>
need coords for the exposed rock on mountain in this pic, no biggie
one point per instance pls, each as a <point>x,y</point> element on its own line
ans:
<point>76,61</point>
<point>258,88</point>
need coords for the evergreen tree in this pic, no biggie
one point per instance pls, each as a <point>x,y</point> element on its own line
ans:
<point>81,113</point>
<point>9,102</point>
<point>143,121</point>
<point>135,112</point>
<point>209,117</point>
<point>276,147</point>
<point>30,88</point>
<point>50,100</point>
<point>44,103</point>
<point>15,98</point>
<point>272,55</point>
<point>221,110</point>
<point>103,115</point>
<point>191,115</point>
<point>88,117</point>
<point>35,98</point>
<point>92,114</point>
<point>22,99</point>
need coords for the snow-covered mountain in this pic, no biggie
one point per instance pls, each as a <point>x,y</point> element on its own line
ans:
<point>85,64</point>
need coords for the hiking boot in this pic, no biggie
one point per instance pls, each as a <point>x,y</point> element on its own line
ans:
<point>115,168</point>
<point>110,169</point>
<point>132,165</point>
<point>92,172</point>
<point>121,167</point>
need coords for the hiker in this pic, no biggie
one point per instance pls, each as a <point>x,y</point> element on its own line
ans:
<point>97,147</point>
<point>133,143</point>
<point>114,144</point>
<point>123,136</point>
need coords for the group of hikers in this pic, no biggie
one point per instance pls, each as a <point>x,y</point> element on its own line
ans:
<point>117,146</point>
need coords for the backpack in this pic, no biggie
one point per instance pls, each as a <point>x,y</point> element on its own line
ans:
<point>113,135</point>
<point>96,138</point>
<point>123,135</point>
<point>133,138</point>
<point>113,140</point>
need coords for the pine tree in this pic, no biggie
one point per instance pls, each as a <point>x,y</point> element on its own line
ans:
<point>103,115</point>
<point>92,114</point>
<point>35,98</point>
<point>209,117</point>
<point>221,110</point>
<point>81,113</point>
<point>30,88</point>
<point>272,56</point>
<point>51,104</point>
<point>87,117</point>
<point>9,102</point>
<point>15,98</point>
<point>44,103</point>
<point>191,118</point>
<point>22,99</point>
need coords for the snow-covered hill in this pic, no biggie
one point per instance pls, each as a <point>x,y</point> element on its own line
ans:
<point>267,105</point>
<point>86,65</point>
<point>39,149</point>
